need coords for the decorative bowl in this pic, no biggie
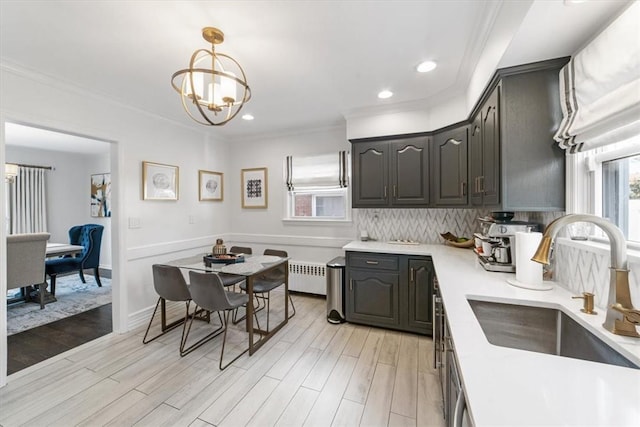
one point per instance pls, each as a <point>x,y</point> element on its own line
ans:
<point>222,259</point>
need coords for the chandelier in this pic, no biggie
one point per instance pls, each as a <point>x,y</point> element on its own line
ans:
<point>214,87</point>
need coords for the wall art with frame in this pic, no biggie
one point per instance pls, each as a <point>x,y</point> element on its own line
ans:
<point>254,188</point>
<point>159,181</point>
<point>101,195</point>
<point>210,185</point>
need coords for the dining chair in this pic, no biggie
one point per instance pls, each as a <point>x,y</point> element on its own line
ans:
<point>170,285</point>
<point>229,279</point>
<point>270,280</point>
<point>25,261</point>
<point>89,236</point>
<point>208,293</point>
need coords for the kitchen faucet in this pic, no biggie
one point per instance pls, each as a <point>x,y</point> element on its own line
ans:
<point>621,317</point>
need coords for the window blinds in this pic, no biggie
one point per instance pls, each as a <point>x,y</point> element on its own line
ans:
<point>321,171</point>
<point>600,88</point>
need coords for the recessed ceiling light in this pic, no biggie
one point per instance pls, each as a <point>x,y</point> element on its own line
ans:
<point>247,117</point>
<point>385,94</point>
<point>426,66</point>
<point>572,2</point>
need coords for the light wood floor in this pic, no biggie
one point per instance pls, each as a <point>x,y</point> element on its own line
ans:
<point>311,373</point>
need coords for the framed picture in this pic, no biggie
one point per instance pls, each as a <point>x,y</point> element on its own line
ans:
<point>210,184</point>
<point>159,182</point>
<point>254,188</point>
<point>101,195</point>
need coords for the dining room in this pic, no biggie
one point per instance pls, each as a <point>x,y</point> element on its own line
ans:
<point>62,181</point>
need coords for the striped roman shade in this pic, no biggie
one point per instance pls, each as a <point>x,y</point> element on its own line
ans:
<point>320,171</point>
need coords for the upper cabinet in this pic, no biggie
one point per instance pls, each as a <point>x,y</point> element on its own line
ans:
<point>484,158</point>
<point>503,158</point>
<point>392,173</point>
<point>450,151</point>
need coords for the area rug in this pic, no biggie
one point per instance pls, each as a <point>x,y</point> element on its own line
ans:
<point>73,297</point>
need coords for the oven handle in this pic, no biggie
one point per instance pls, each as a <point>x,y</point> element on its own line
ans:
<point>461,405</point>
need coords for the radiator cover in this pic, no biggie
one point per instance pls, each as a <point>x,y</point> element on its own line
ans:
<point>309,277</point>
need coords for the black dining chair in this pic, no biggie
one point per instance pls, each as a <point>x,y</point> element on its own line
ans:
<point>263,285</point>
<point>170,285</point>
<point>209,294</point>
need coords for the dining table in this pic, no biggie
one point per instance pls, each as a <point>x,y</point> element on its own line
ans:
<point>252,267</point>
<point>62,249</point>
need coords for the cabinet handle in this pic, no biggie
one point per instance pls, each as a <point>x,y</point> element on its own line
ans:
<point>385,191</point>
<point>482,184</point>
<point>372,262</point>
<point>394,191</point>
<point>477,184</point>
<point>463,188</point>
<point>412,274</point>
<point>351,285</point>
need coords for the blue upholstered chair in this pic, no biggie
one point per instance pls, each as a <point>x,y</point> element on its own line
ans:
<point>90,237</point>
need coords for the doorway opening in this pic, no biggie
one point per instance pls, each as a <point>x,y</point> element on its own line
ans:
<point>76,192</point>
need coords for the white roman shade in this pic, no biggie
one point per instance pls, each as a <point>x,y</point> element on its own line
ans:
<point>321,171</point>
<point>600,87</point>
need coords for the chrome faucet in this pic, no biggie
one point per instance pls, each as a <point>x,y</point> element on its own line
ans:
<point>621,318</point>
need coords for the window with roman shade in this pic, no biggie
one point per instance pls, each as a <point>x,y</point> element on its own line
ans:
<point>317,186</point>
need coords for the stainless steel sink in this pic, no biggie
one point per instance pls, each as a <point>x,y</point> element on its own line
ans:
<point>543,330</point>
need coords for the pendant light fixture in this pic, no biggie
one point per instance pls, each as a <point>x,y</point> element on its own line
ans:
<point>214,88</point>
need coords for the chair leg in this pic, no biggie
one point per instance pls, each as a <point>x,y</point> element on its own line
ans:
<point>169,328</point>
<point>81,273</point>
<point>41,287</point>
<point>185,335</point>
<point>96,273</point>
<point>292,306</point>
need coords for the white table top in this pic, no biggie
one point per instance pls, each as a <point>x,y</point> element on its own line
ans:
<point>508,387</point>
<point>60,249</point>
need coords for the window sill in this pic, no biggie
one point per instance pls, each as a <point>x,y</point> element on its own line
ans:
<point>601,246</point>
<point>323,222</point>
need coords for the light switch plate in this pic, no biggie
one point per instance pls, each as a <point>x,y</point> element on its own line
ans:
<point>134,222</point>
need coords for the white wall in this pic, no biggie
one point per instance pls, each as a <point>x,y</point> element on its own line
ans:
<point>68,191</point>
<point>262,228</point>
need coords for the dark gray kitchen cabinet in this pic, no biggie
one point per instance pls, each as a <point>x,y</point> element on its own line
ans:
<point>390,291</point>
<point>391,173</point>
<point>450,151</point>
<point>421,275</point>
<point>484,157</point>
<point>514,163</point>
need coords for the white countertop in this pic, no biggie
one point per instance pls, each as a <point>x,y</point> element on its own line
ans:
<point>511,387</point>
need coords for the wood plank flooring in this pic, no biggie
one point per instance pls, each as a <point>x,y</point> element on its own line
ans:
<point>311,373</point>
<point>43,342</point>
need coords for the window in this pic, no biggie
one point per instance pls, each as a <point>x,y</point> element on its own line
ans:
<point>319,204</point>
<point>621,194</point>
<point>605,181</point>
<point>317,187</point>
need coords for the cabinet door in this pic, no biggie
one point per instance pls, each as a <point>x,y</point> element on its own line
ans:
<point>370,174</point>
<point>372,298</point>
<point>410,172</point>
<point>490,182</point>
<point>421,274</point>
<point>450,167</point>
<point>475,161</point>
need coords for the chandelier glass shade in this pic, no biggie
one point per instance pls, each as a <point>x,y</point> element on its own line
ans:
<point>214,88</point>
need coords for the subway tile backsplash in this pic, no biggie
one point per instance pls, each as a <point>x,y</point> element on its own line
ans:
<point>579,270</point>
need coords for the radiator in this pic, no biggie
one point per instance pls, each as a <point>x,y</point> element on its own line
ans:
<point>309,277</point>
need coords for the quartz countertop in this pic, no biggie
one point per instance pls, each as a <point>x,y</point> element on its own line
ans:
<point>509,387</point>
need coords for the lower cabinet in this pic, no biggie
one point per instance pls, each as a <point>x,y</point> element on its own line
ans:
<point>390,291</point>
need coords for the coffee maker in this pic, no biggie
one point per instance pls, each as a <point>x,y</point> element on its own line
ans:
<point>495,245</point>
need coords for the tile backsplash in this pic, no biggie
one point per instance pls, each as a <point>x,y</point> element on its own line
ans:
<point>579,270</point>
<point>425,225</point>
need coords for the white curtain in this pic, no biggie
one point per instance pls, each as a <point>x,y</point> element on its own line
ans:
<point>600,87</point>
<point>320,171</point>
<point>28,201</point>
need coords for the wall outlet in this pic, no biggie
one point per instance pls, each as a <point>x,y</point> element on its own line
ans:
<point>192,219</point>
<point>134,222</point>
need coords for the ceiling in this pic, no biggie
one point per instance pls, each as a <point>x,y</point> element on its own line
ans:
<point>309,63</point>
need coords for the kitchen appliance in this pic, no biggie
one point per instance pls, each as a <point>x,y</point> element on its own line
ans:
<point>495,244</point>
